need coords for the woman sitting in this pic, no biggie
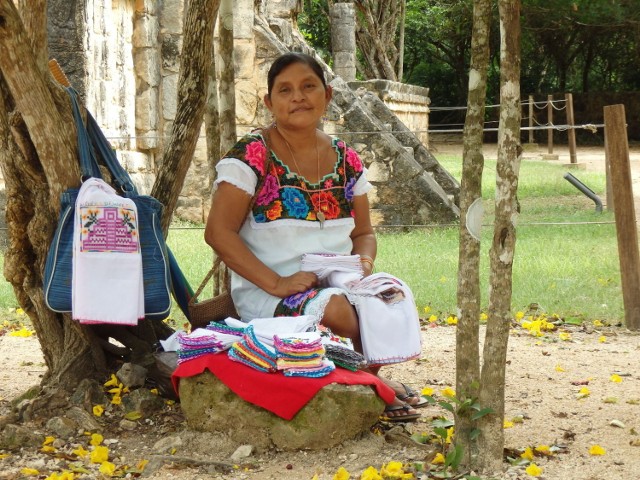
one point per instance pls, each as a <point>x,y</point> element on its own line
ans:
<point>312,199</point>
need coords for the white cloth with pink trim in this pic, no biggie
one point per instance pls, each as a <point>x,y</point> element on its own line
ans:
<point>389,322</point>
<point>107,284</point>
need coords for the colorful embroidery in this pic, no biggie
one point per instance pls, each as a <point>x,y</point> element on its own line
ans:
<point>285,195</point>
<point>294,305</point>
<point>108,229</point>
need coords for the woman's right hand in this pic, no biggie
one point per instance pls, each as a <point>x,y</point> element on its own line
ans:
<point>296,283</point>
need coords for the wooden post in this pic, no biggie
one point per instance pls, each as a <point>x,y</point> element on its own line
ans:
<point>550,124</point>
<point>615,131</point>
<point>607,173</point>
<point>572,133</point>
<point>530,118</point>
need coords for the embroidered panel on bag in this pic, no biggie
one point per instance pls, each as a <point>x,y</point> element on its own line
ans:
<point>108,229</point>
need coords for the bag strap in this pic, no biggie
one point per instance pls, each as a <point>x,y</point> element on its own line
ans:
<point>88,164</point>
<point>259,185</point>
<point>91,137</point>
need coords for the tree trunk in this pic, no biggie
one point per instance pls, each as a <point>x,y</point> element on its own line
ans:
<point>375,36</point>
<point>491,440</point>
<point>226,86</point>
<point>192,95</point>
<point>39,161</point>
<point>467,333</point>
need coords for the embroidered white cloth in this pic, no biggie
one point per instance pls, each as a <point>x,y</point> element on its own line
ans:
<point>389,322</point>
<point>107,284</point>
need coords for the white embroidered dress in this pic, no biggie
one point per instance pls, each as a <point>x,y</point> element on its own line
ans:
<point>282,225</point>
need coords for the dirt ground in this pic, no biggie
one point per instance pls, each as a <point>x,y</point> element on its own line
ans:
<point>544,406</point>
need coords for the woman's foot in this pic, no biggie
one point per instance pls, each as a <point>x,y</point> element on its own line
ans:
<point>399,411</point>
<point>406,394</point>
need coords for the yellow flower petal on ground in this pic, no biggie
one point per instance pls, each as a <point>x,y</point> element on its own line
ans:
<point>438,459</point>
<point>342,474</point>
<point>107,468</point>
<point>596,450</point>
<point>544,449</point>
<point>559,368</point>
<point>4,455</point>
<point>98,410</point>
<point>484,317</point>
<point>426,309</point>
<point>602,339</point>
<point>615,378</point>
<point>112,382</point>
<point>48,449</point>
<point>452,320</point>
<point>564,336</point>
<point>99,454</point>
<point>19,311</point>
<point>519,315</point>
<point>507,424</point>
<point>584,392</point>
<point>48,440</point>
<point>392,470</point>
<point>116,400</point>
<point>597,323</point>
<point>141,464</point>
<point>23,332</point>
<point>433,319</point>
<point>527,454</point>
<point>30,472</point>
<point>315,477</point>
<point>427,391</point>
<point>155,391</point>
<point>80,452</point>
<point>450,434</point>
<point>448,392</point>
<point>96,439</point>
<point>533,470</point>
<point>370,473</point>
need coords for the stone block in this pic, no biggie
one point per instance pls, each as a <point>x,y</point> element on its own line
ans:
<point>147,66</point>
<point>247,102</point>
<point>337,413</point>
<point>147,109</point>
<point>171,16</point>
<point>145,32</point>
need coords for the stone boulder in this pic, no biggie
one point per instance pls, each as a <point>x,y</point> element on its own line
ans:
<point>337,413</point>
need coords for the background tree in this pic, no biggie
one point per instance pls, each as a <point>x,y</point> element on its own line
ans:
<point>468,332</point>
<point>39,161</point>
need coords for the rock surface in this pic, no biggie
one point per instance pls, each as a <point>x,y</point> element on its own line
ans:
<point>337,413</point>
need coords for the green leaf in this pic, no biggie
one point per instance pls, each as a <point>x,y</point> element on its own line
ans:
<point>475,433</point>
<point>454,457</point>
<point>442,422</point>
<point>446,406</point>
<point>422,438</point>
<point>134,415</point>
<point>482,413</point>
<point>441,432</point>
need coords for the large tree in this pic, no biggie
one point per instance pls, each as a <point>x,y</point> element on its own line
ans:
<point>39,161</point>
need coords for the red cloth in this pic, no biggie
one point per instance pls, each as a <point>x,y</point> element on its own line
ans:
<point>281,395</point>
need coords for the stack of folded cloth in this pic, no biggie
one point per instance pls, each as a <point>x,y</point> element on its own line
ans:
<point>344,357</point>
<point>302,355</point>
<point>202,341</point>
<point>253,352</point>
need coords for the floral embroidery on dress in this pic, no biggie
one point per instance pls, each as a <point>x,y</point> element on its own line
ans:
<point>285,195</point>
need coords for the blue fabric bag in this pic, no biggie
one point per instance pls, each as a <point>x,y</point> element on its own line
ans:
<point>155,260</point>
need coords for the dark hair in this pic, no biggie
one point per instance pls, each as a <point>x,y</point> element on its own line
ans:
<point>286,59</point>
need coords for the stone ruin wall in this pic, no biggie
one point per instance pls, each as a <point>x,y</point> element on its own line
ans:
<point>130,57</point>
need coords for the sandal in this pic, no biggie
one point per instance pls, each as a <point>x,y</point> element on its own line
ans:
<point>410,393</point>
<point>407,417</point>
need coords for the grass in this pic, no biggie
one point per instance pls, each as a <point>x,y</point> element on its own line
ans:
<point>566,254</point>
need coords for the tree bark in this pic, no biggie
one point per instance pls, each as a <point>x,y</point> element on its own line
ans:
<point>375,37</point>
<point>226,86</point>
<point>39,160</point>
<point>467,333</point>
<point>192,95</point>
<point>491,440</point>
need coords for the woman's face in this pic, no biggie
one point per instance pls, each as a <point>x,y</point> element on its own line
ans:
<point>298,97</point>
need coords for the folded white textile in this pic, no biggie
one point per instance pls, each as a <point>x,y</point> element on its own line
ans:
<point>265,328</point>
<point>389,322</point>
<point>107,284</point>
